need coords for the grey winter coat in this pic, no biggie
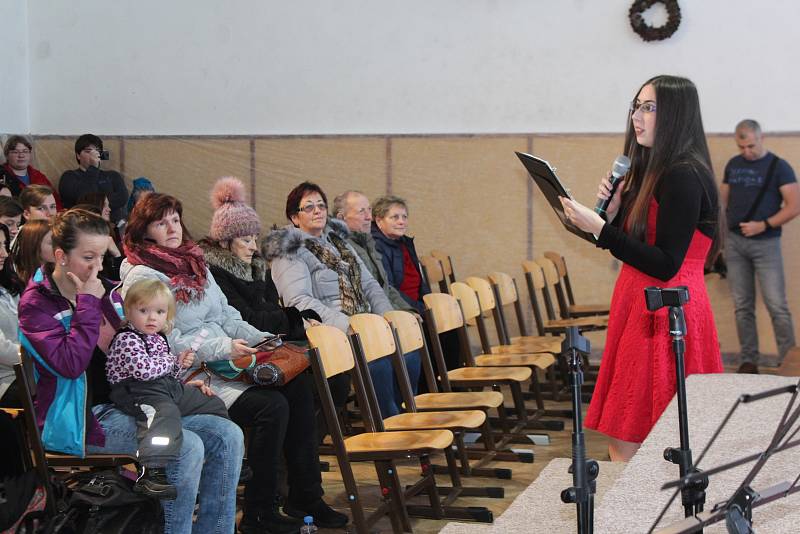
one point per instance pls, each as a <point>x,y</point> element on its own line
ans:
<point>364,244</point>
<point>9,346</point>
<point>305,282</point>
<point>222,322</point>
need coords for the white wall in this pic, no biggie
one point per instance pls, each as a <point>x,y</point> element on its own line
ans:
<point>366,66</point>
<point>14,91</point>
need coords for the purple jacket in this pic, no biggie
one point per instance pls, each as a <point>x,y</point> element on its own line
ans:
<point>41,309</point>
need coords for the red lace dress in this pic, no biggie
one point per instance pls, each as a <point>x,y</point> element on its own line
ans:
<point>637,373</point>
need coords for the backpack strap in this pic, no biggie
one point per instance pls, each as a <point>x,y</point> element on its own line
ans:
<point>767,182</point>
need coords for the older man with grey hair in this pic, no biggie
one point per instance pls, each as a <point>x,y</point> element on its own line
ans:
<point>354,209</point>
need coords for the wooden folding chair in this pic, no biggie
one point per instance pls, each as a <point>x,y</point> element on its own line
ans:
<point>550,324</point>
<point>410,336</point>
<point>443,314</point>
<point>433,271</point>
<point>570,307</point>
<point>472,308</point>
<point>330,353</point>
<point>447,264</point>
<point>374,340</point>
<point>43,460</point>
<point>489,296</point>
<point>552,280</point>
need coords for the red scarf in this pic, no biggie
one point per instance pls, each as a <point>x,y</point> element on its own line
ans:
<point>185,266</point>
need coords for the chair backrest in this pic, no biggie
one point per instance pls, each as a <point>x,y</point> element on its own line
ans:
<point>506,289</point>
<point>434,273</point>
<point>473,305</point>
<point>552,275</point>
<point>409,336</point>
<point>466,295</point>
<point>558,261</point>
<point>408,329</point>
<point>534,278</point>
<point>483,288</point>
<point>506,292</point>
<point>561,265</point>
<point>331,353</point>
<point>549,269</point>
<point>376,335</point>
<point>443,257</point>
<point>535,271</point>
<point>445,310</point>
<point>334,349</point>
<point>551,279</point>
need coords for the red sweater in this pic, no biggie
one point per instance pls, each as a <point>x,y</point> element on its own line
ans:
<point>36,177</point>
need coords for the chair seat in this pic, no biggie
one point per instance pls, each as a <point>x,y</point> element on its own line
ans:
<point>493,374</point>
<point>589,309</point>
<point>522,345</point>
<point>459,400</point>
<point>417,441</point>
<point>601,322</point>
<point>455,420</point>
<point>542,361</point>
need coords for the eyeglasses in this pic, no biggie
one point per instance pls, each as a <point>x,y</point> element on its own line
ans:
<point>309,208</point>
<point>24,152</point>
<point>646,107</point>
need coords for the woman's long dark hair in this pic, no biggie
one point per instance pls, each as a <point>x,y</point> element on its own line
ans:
<point>679,140</point>
<point>8,277</point>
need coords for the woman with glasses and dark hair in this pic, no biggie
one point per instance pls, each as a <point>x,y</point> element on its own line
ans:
<point>315,268</point>
<point>662,223</point>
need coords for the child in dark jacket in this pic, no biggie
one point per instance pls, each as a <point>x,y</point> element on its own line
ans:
<point>144,377</point>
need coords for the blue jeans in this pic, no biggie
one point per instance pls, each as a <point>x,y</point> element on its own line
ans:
<point>386,388</point>
<point>750,259</point>
<point>208,465</point>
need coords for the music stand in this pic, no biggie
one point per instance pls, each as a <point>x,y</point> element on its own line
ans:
<point>737,510</point>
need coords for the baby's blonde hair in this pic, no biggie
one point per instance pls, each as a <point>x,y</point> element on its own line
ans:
<point>147,290</point>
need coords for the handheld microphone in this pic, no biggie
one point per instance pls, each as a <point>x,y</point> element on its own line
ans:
<point>620,168</point>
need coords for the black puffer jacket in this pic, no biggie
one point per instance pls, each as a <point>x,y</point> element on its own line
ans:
<point>249,289</point>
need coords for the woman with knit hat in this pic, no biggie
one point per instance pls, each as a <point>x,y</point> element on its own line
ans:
<point>280,420</point>
<point>231,251</point>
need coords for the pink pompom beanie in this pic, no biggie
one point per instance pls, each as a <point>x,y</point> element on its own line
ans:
<point>232,217</point>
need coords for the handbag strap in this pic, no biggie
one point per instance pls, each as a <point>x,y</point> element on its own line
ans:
<point>760,196</point>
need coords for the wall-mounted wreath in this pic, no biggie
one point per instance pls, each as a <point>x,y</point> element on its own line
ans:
<point>647,32</point>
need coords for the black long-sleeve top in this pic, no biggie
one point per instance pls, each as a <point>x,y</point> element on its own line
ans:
<point>76,183</point>
<point>687,200</point>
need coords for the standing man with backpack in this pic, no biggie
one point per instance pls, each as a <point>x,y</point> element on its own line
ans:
<point>761,194</point>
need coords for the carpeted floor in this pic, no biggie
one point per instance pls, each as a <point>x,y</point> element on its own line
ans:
<point>539,507</point>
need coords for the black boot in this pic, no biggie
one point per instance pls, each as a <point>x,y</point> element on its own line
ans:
<point>324,516</point>
<point>153,482</point>
<point>268,521</point>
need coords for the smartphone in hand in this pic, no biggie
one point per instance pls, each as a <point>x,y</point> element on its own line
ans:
<point>269,343</point>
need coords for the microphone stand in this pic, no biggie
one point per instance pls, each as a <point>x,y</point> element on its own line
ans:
<point>693,496</point>
<point>584,472</point>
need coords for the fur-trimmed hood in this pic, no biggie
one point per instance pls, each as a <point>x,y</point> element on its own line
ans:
<point>288,241</point>
<point>222,258</point>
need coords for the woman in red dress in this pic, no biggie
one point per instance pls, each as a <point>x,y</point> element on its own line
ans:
<point>663,223</point>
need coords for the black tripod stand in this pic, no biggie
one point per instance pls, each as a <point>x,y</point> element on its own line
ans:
<point>693,496</point>
<point>584,472</point>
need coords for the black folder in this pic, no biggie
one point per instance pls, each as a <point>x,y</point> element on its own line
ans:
<point>545,177</point>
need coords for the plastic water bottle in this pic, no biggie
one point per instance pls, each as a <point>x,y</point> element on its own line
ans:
<point>309,527</point>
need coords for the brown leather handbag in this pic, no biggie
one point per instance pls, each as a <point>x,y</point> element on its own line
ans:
<point>275,367</point>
